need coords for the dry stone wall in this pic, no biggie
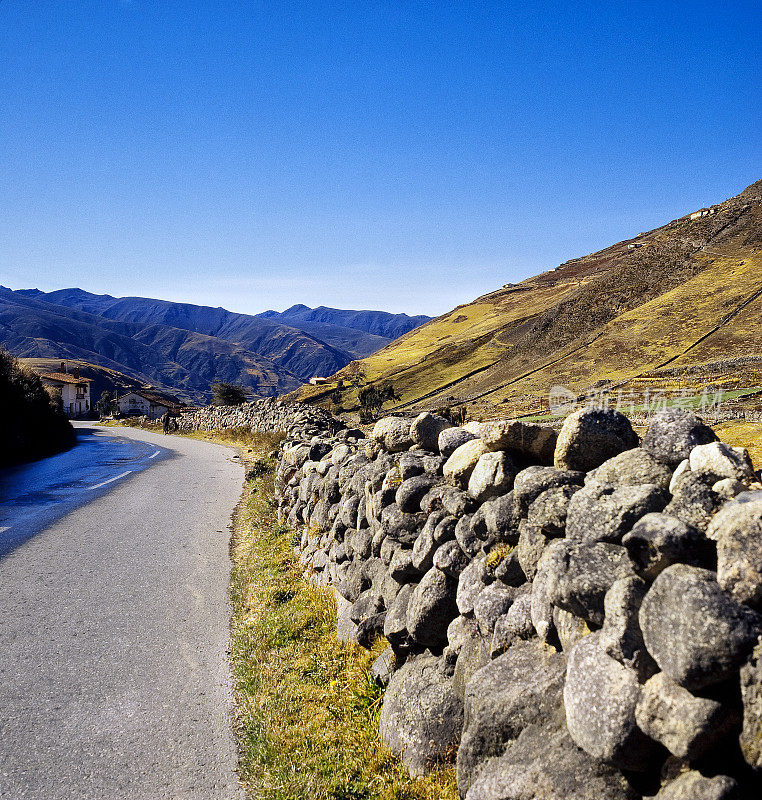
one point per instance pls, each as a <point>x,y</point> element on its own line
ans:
<point>575,614</point>
<point>269,415</point>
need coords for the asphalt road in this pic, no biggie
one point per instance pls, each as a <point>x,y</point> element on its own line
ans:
<point>114,621</point>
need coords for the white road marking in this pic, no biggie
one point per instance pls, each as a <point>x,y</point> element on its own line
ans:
<point>110,480</point>
<point>153,455</point>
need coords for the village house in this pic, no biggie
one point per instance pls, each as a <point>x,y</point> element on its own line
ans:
<point>144,402</point>
<point>73,389</point>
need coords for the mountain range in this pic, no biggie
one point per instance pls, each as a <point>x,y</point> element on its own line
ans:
<point>183,348</point>
<point>679,306</point>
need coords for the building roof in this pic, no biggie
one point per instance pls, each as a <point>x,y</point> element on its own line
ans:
<point>154,397</point>
<point>64,377</point>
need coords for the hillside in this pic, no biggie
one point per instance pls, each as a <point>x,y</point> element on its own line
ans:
<point>178,346</point>
<point>681,304</point>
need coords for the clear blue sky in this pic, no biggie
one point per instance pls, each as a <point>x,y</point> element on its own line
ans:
<point>397,155</point>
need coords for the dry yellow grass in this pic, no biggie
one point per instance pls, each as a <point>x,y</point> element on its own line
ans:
<point>307,705</point>
<point>743,434</point>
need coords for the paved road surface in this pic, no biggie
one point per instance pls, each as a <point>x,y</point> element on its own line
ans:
<point>114,621</point>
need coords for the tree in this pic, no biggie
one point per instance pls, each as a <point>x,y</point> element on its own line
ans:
<point>372,398</point>
<point>228,394</point>
<point>104,404</point>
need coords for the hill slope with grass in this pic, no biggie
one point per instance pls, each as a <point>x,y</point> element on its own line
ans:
<point>681,304</point>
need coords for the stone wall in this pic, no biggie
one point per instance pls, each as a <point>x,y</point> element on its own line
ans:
<point>294,419</point>
<point>575,614</point>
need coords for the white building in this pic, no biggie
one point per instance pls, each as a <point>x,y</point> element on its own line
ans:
<point>142,402</point>
<point>73,388</point>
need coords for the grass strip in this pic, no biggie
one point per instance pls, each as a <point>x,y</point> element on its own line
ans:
<point>307,706</point>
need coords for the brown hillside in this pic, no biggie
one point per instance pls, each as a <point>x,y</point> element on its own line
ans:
<point>685,297</point>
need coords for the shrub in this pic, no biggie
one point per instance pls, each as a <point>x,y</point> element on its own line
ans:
<point>32,424</point>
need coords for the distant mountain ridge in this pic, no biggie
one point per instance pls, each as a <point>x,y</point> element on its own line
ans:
<point>379,323</point>
<point>184,347</point>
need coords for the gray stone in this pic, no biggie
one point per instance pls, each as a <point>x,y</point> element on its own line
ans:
<point>501,519</point>
<point>412,491</point>
<point>577,575</point>
<point>718,460</point>
<point>492,476</point>
<point>531,546</point>
<point>517,689</point>
<point>462,462</point>
<point>425,546</point>
<point>432,501</point>
<point>369,629</point>
<point>388,548</point>
<point>686,725</point>
<point>537,443</point>
<point>697,634</point>
<point>395,624</point>
<point>493,601</point>
<point>393,433</point>
<point>600,696</point>
<point>445,530</point>
<point>459,631</point>
<point>451,439</point>
<point>457,503</point>
<point>658,540</point>
<point>693,501</point>
<point>348,512</point>
<point>450,559</point>
<point>401,567</point>
<point>621,637</point>
<point>401,526</point>
<point>545,764</point>
<point>421,717</point>
<point>751,695</point>
<point>570,629</point>
<point>728,489</point>
<point>694,786</point>
<point>604,513</point>
<point>426,428</point>
<point>410,466</point>
<point>346,628</point>
<point>471,582</point>
<point>432,608</point>
<point>540,606</point>
<point>632,468</point>
<point>737,529</point>
<point>548,512</point>
<point>474,654</point>
<point>531,482</point>
<point>469,542</point>
<point>506,566</point>
<point>591,436</point>
<point>673,433</point>
<point>367,605</point>
<point>433,464</point>
<point>516,623</point>
<point>382,668</point>
<point>683,467</point>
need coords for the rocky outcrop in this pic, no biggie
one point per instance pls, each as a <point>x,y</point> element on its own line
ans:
<point>589,629</point>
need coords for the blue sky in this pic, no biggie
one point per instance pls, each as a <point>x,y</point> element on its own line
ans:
<point>397,155</point>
